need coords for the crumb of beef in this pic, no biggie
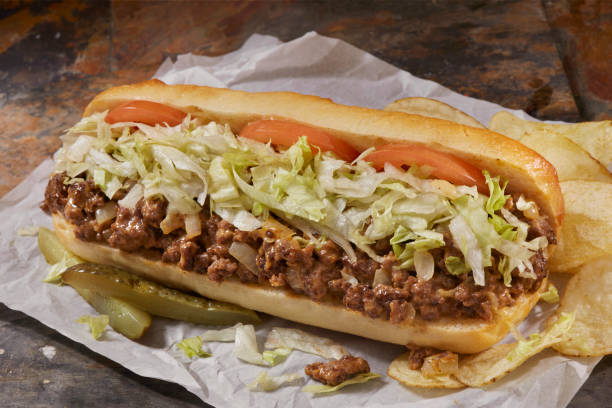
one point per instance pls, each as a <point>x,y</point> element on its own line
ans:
<point>335,372</point>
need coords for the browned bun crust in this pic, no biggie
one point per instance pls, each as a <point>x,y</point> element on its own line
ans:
<point>458,335</point>
<point>527,172</point>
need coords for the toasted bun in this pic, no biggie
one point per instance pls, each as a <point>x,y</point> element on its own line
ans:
<point>526,171</point>
<point>458,335</point>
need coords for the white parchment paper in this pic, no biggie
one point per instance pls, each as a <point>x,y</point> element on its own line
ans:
<point>316,65</point>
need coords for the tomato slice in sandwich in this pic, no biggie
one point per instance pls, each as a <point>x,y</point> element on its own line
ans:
<point>147,112</point>
<point>445,166</point>
<point>286,133</point>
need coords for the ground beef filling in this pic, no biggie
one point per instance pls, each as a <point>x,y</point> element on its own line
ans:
<point>284,262</point>
<point>335,372</point>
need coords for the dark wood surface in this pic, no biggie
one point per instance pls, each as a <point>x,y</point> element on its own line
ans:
<point>549,58</point>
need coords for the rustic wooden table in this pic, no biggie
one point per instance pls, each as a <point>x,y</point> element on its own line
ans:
<point>549,58</point>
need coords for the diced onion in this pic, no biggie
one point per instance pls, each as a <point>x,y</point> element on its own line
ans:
<point>105,213</point>
<point>173,221</point>
<point>244,254</point>
<point>528,208</point>
<point>193,225</point>
<point>381,277</point>
<point>424,265</point>
<point>349,278</point>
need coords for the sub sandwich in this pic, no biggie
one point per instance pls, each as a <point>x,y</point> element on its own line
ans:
<point>390,226</point>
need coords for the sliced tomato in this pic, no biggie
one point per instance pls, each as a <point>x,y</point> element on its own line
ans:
<point>445,166</point>
<point>147,112</point>
<point>285,133</point>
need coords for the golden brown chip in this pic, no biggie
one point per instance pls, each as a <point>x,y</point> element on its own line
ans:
<point>490,365</point>
<point>586,232</point>
<point>399,369</point>
<point>594,137</point>
<point>589,294</point>
<point>571,161</point>
<point>432,108</point>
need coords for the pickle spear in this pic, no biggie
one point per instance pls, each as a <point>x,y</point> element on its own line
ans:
<point>154,298</point>
<point>51,248</point>
<point>123,317</point>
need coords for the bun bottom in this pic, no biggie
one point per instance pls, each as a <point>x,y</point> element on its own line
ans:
<point>457,335</point>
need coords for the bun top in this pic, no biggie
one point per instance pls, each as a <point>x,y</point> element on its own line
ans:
<point>527,172</point>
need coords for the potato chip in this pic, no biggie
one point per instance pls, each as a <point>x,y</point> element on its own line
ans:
<point>400,370</point>
<point>571,161</point>
<point>594,137</point>
<point>490,365</point>
<point>585,235</point>
<point>589,294</point>
<point>433,109</point>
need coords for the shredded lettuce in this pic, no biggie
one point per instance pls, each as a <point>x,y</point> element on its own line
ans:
<point>246,346</point>
<point>192,347</point>
<point>551,295</point>
<point>276,356</point>
<point>56,270</point>
<point>496,199</point>
<point>264,382</point>
<point>553,334</point>
<point>223,335</point>
<point>467,243</point>
<point>455,265</point>
<point>97,324</point>
<point>322,389</point>
<point>29,231</point>
<point>193,165</point>
<point>280,337</point>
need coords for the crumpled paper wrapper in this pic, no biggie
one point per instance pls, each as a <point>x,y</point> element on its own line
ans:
<point>316,65</point>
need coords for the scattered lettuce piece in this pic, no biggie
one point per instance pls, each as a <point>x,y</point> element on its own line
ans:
<point>57,270</point>
<point>266,383</point>
<point>224,335</point>
<point>246,346</point>
<point>97,324</point>
<point>192,347</point>
<point>358,379</point>
<point>30,231</point>
<point>276,356</point>
<point>280,337</point>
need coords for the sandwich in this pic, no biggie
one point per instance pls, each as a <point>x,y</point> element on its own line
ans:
<point>395,227</point>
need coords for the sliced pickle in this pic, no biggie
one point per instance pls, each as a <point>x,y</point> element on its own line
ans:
<point>51,248</point>
<point>155,298</point>
<point>123,317</point>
